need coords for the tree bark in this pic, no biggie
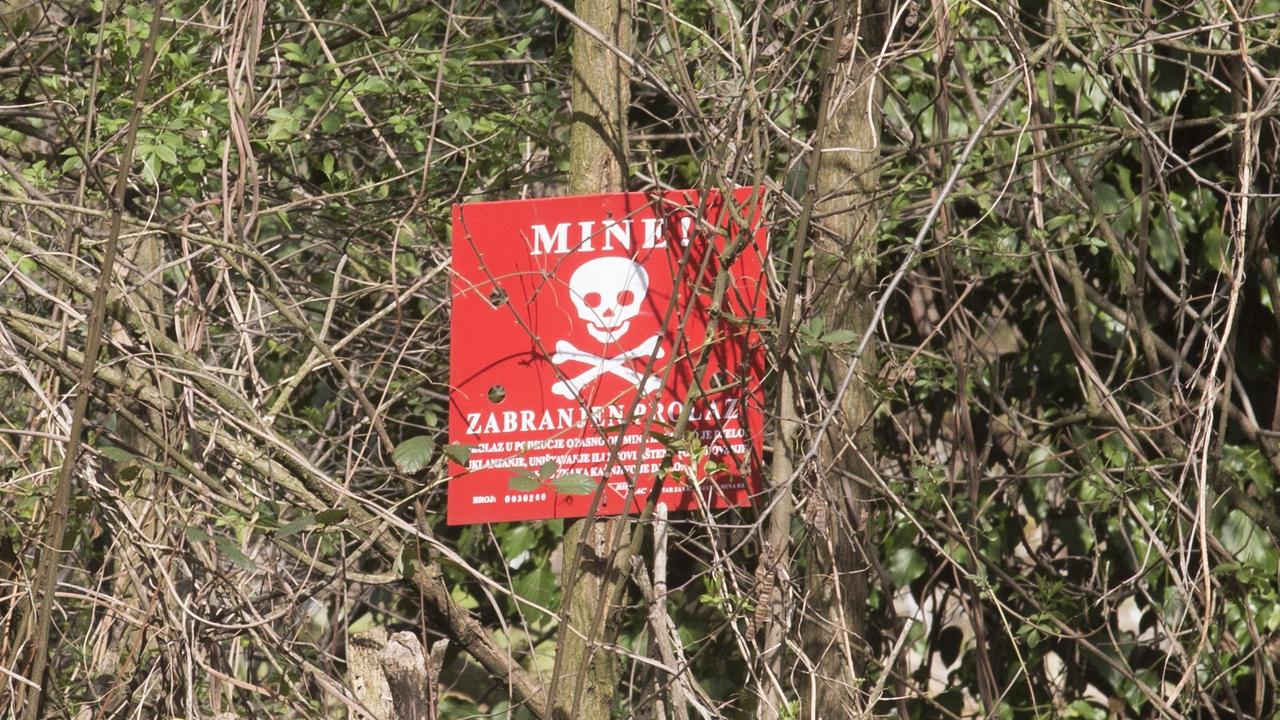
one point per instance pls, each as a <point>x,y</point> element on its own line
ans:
<point>146,496</point>
<point>843,278</point>
<point>601,94</point>
<point>391,676</point>
<point>54,549</point>
<point>405,665</point>
<point>586,679</point>
<point>365,676</point>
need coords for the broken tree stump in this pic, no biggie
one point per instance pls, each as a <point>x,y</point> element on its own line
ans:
<point>392,677</point>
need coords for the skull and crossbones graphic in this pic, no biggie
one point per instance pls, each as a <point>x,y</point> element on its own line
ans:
<point>607,293</point>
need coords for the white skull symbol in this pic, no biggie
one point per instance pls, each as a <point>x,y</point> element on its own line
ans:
<point>607,292</point>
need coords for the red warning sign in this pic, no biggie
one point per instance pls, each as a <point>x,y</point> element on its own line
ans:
<point>604,343</point>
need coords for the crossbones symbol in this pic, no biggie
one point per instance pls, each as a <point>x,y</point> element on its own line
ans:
<point>566,352</point>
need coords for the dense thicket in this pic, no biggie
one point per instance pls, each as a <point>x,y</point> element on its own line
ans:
<point>1058,249</point>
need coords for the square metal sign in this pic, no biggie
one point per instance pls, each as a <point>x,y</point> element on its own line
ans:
<point>604,345</point>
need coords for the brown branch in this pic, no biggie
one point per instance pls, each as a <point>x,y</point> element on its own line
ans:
<point>52,549</point>
<point>290,471</point>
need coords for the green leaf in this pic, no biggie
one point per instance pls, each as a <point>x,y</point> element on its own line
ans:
<point>840,337</point>
<point>1217,246</point>
<point>465,600</point>
<point>1041,461</point>
<point>331,517</point>
<point>460,120</point>
<point>548,469</point>
<point>1085,709</point>
<point>119,456</point>
<point>1243,539</point>
<point>1057,221</point>
<point>537,586</point>
<point>195,534</point>
<point>413,454</point>
<point>295,525</point>
<point>458,453</point>
<point>233,553</point>
<point>516,540</point>
<point>149,169</point>
<point>906,564</point>
<point>293,52</point>
<point>165,153</point>
<point>524,482</point>
<point>574,484</point>
<point>283,124</point>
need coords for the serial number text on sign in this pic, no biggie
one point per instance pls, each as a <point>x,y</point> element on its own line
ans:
<point>584,330</point>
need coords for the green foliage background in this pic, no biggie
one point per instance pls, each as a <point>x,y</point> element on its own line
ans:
<point>1076,434</point>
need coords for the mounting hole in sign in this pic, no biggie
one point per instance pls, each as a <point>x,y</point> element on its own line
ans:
<point>497,394</point>
<point>498,297</point>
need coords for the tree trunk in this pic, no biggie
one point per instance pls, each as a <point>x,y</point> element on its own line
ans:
<point>392,676</point>
<point>601,95</point>
<point>843,279</point>
<point>365,677</point>
<point>146,495</point>
<point>586,678</point>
